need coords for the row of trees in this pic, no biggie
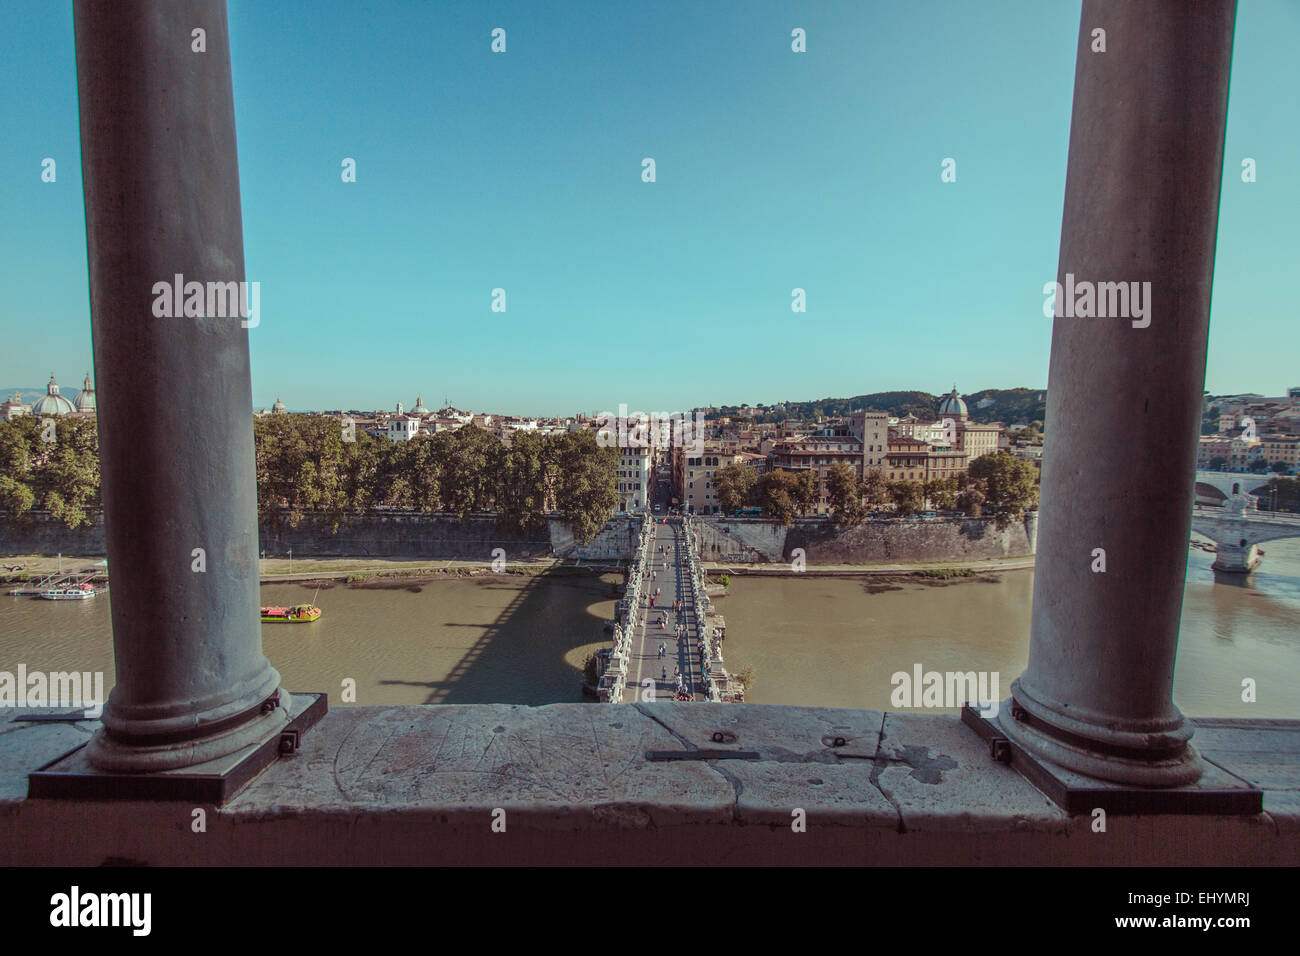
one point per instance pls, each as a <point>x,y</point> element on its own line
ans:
<point>998,484</point>
<point>305,465</point>
<point>1282,494</point>
<point>51,466</point>
<point>1257,465</point>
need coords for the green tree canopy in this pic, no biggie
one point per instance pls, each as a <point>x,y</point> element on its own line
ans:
<point>59,476</point>
<point>736,486</point>
<point>909,496</point>
<point>844,494</point>
<point>1009,485</point>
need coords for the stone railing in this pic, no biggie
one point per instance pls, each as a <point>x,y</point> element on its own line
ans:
<point>612,682</point>
<point>719,686</point>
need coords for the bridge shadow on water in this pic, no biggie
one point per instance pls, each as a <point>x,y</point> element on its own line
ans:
<point>530,653</point>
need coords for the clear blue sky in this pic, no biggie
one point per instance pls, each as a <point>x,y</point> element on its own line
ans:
<point>523,171</point>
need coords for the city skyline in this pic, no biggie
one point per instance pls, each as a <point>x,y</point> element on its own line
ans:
<point>28,392</point>
<point>775,171</point>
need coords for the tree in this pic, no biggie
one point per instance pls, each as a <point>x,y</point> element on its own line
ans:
<point>66,476</point>
<point>424,463</point>
<point>583,478</point>
<point>736,486</point>
<point>394,474</point>
<point>524,484</point>
<point>468,463</point>
<point>844,492</point>
<point>805,491</point>
<point>941,492</point>
<point>303,464</point>
<point>875,490</point>
<point>1009,485</point>
<point>971,500</point>
<point>1286,493</point>
<point>1218,463</point>
<point>18,440</point>
<point>745,676</point>
<point>909,496</point>
<point>777,492</point>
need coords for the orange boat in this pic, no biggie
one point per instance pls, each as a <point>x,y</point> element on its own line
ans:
<point>298,614</point>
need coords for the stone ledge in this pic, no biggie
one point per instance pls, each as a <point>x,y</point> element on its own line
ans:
<point>412,785</point>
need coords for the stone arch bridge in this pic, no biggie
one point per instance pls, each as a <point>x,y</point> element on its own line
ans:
<point>1238,529</point>
<point>1216,487</point>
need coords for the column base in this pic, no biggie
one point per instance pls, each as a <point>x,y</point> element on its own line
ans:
<point>1213,790</point>
<point>213,780</point>
<point>1147,753</point>
<point>111,754</point>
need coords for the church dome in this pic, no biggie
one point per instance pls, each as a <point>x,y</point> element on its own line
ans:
<point>52,403</point>
<point>85,399</point>
<point>278,408</point>
<point>953,406</point>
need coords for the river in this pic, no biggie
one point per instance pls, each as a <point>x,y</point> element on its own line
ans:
<point>821,641</point>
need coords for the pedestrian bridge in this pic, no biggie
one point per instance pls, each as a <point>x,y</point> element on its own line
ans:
<point>1238,529</point>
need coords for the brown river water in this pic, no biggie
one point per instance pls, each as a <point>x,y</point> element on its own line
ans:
<point>832,642</point>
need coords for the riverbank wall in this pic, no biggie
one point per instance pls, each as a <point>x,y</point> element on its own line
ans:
<point>727,540</point>
<point>819,541</point>
<point>39,533</point>
<point>382,535</point>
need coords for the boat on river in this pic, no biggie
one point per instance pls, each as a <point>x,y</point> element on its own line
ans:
<point>68,594</point>
<point>297,614</point>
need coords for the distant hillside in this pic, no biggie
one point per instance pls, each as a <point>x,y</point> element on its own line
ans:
<point>29,394</point>
<point>1009,405</point>
<point>1000,405</point>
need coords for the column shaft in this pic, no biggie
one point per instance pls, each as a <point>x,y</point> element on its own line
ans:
<point>1123,405</point>
<point>174,393</point>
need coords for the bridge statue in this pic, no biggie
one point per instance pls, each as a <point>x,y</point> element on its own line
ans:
<point>1238,504</point>
<point>1239,528</point>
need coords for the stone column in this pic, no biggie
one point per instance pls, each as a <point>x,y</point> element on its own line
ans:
<point>175,400</point>
<point>1123,401</point>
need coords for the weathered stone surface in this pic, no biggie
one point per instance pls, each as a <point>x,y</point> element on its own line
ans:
<point>1265,753</point>
<point>785,734</point>
<point>1283,807</point>
<point>411,785</point>
<point>939,774</point>
<point>26,746</point>
<point>565,765</point>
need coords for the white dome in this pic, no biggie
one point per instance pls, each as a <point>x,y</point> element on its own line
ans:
<point>85,399</point>
<point>952,405</point>
<point>52,403</point>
